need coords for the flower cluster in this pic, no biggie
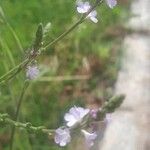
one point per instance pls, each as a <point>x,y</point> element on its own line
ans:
<point>74,119</point>
<point>84,7</point>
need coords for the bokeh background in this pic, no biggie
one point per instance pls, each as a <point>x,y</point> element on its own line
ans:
<point>91,52</point>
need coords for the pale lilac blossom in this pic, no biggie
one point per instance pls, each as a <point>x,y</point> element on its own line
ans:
<point>89,137</point>
<point>111,3</point>
<point>62,136</point>
<point>75,115</point>
<point>84,7</point>
<point>32,72</point>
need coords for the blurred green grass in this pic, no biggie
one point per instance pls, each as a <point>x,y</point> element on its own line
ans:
<point>92,49</point>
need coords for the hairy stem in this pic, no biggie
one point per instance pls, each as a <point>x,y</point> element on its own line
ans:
<point>13,71</point>
<point>4,118</point>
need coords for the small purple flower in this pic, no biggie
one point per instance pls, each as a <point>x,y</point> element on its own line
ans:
<point>84,7</point>
<point>62,136</point>
<point>75,115</point>
<point>89,137</point>
<point>111,3</point>
<point>32,72</point>
<point>93,113</point>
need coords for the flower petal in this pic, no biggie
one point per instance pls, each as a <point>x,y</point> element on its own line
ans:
<point>111,3</point>
<point>95,20</point>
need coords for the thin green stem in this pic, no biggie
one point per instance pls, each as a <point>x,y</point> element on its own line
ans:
<point>11,72</point>
<point>64,34</point>
<point>5,119</point>
<point>25,86</point>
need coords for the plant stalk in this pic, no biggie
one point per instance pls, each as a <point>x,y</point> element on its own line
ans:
<point>25,86</point>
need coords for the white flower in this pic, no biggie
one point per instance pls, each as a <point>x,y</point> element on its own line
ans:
<point>89,137</point>
<point>92,16</point>
<point>62,136</point>
<point>111,3</point>
<point>75,115</point>
<point>84,7</point>
<point>32,72</point>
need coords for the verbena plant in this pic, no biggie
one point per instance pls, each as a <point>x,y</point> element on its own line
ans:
<point>78,119</point>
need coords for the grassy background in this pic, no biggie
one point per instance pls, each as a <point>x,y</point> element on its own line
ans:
<point>91,49</point>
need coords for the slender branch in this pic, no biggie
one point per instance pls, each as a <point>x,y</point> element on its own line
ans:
<point>26,84</point>
<point>5,119</point>
<point>13,71</point>
<point>65,33</point>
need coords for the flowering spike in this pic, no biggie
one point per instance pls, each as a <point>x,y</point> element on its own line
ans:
<point>39,37</point>
<point>113,103</point>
